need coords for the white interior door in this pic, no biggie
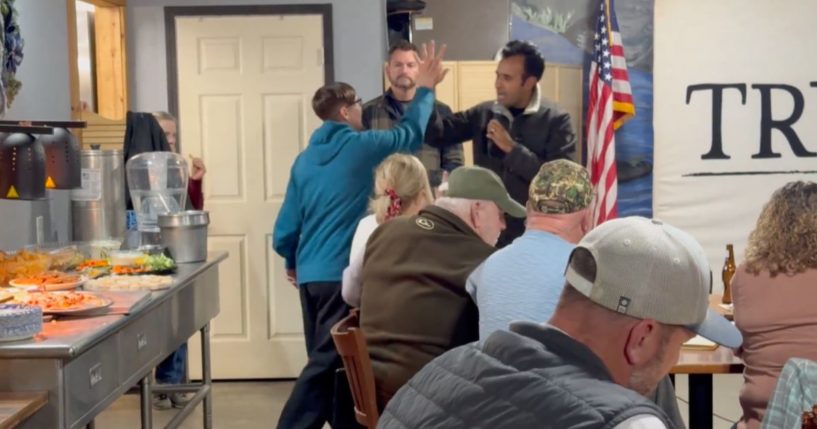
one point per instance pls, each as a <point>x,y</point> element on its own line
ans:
<point>245,89</point>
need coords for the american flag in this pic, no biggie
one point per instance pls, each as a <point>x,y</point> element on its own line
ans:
<point>610,104</point>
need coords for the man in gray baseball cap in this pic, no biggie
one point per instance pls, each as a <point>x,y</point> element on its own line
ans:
<point>636,290</point>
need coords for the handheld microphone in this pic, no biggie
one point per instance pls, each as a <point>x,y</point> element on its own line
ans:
<point>504,117</point>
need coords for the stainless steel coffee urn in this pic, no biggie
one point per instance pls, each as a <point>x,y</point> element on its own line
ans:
<point>98,206</point>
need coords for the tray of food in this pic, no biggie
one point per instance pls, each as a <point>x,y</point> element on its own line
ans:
<point>22,263</point>
<point>128,263</point>
<point>63,302</point>
<point>123,282</point>
<point>49,281</point>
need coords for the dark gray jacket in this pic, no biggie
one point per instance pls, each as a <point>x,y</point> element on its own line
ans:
<point>543,133</point>
<point>534,377</point>
<point>142,134</point>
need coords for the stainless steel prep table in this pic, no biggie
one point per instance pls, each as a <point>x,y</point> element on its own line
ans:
<point>86,364</point>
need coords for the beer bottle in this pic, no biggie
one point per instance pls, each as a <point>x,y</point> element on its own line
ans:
<point>727,274</point>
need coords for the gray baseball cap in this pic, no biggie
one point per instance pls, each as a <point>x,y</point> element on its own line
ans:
<point>478,183</point>
<point>648,269</point>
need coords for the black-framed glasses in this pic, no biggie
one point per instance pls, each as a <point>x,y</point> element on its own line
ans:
<point>357,101</point>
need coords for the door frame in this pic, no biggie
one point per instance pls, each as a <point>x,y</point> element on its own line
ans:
<point>109,60</point>
<point>325,10</point>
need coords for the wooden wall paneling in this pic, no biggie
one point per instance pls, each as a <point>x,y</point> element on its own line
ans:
<point>108,3</point>
<point>73,68</point>
<point>447,90</point>
<point>475,81</point>
<point>562,84</point>
<point>448,93</point>
<point>111,64</point>
<point>475,84</point>
<point>107,133</point>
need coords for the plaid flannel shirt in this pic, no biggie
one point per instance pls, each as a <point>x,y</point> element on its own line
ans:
<point>795,393</point>
<point>384,111</point>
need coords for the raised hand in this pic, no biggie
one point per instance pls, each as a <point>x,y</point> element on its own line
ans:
<point>197,168</point>
<point>431,71</point>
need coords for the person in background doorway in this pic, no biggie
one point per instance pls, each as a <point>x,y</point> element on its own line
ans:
<point>173,369</point>
<point>195,195</point>
<point>384,111</point>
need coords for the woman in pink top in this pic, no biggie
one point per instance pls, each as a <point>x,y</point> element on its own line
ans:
<point>775,294</point>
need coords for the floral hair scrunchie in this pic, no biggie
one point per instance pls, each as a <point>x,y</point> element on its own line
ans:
<point>395,205</point>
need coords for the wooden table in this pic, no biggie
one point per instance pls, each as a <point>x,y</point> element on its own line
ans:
<point>16,407</point>
<point>719,361</point>
<point>701,365</point>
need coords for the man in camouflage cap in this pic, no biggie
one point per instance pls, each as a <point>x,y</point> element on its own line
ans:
<point>524,280</point>
<point>560,187</point>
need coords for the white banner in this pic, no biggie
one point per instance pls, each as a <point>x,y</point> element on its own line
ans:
<point>735,113</point>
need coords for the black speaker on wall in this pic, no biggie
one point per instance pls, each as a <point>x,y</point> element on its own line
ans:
<point>399,18</point>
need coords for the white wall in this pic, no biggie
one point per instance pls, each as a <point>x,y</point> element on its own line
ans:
<point>359,29</point>
<point>718,199</point>
<point>44,72</point>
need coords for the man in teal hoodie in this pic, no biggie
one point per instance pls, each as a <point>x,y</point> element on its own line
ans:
<point>329,187</point>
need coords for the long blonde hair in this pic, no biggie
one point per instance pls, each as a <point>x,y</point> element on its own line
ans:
<point>785,237</point>
<point>399,181</point>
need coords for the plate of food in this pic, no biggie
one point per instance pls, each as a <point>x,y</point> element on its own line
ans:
<point>50,281</point>
<point>64,302</point>
<point>125,282</point>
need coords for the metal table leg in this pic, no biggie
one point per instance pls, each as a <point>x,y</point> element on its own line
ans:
<point>202,391</point>
<point>206,376</point>
<point>145,402</point>
<point>700,401</point>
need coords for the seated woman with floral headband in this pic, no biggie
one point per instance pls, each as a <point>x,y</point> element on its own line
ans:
<point>401,188</point>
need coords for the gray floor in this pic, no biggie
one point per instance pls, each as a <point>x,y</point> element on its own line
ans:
<point>236,405</point>
<point>239,405</point>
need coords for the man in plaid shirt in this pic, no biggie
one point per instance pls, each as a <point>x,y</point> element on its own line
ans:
<point>795,393</point>
<point>384,111</point>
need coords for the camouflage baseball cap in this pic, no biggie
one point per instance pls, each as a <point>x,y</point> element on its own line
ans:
<point>560,187</point>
